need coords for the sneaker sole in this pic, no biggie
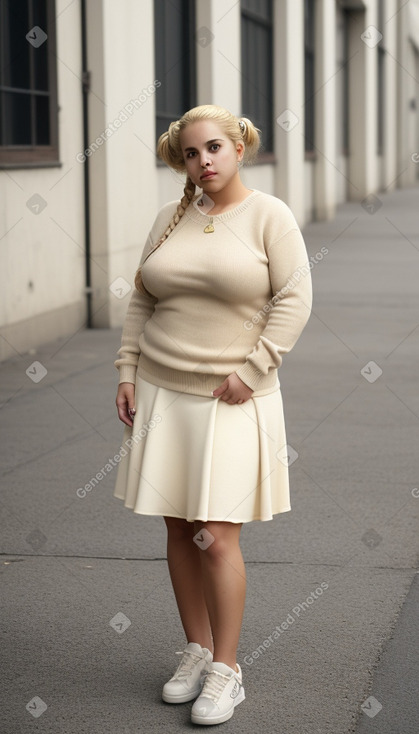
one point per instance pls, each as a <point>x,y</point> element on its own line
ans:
<point>205,720</point>
<point>182,698</point>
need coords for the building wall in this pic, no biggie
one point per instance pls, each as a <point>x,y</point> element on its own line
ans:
<point>42,256</point>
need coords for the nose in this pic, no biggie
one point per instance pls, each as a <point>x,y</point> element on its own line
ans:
<point>205,159</point>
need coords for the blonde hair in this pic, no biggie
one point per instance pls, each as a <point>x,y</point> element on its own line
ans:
<point>169,149</point>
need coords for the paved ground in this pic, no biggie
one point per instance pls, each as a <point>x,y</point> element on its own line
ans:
<point>392,706</point>
<point>71,564</point>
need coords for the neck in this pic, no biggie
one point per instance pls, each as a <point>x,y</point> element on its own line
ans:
<point>230,195</point>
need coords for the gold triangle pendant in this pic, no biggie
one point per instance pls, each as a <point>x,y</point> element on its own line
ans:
<point>209,228</point>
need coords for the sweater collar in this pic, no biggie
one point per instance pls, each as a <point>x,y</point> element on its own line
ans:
<point>192,212</point>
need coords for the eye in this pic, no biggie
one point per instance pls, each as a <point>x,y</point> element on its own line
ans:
<point>215,145</point>
<point>191,153</point>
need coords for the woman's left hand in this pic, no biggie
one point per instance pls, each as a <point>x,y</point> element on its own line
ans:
<point>233,390</point>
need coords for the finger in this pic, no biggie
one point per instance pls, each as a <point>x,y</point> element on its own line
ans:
<point>126,419</point>
<point>130,413</point>
<point>123,419</point>
<point>233,399</point>
<point>228,398</point>
<point>123,413</point>
<point>220,390</point>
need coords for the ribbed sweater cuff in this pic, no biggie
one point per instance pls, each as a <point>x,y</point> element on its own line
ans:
<point>250,375</point>
<point>194,382</point>
<point>127,373</point>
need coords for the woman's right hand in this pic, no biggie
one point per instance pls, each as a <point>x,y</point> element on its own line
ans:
<point>125,401</point>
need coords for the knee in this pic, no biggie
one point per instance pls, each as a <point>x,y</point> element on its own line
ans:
<point>216,539</point>
<point>179,529</point>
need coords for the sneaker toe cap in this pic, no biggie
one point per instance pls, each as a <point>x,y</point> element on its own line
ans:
<point>204,707</point>
<point>175,687</point>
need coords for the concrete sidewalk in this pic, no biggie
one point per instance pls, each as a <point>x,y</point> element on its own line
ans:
<point>89,620</point>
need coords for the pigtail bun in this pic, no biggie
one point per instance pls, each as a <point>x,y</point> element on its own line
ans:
<point>251,139</point>
<point>168,148</point>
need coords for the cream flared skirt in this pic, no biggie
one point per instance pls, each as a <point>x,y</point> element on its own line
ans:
<point>199,458</point>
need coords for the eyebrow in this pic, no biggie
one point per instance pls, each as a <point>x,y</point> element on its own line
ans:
<point>214,140</point>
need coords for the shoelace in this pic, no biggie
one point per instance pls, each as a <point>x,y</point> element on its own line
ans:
<point>215,682</point>
<point>186,665</point>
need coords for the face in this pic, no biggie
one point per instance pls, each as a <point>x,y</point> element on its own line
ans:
<point>206,148</point>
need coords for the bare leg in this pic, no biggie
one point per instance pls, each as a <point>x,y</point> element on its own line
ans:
<point>185,572</point>
<point>224,580</point>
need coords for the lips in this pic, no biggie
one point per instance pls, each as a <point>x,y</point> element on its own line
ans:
<point>208,174</point>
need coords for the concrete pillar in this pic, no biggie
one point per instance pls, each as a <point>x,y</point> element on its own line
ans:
<point>362,168</point>
<point>98,164</point>
<point>407,87</point>
<point>289,104</point>
<point>218,54</point>
<point>122,168</point>
<point>325,110</point>
<point>389,168</point>
<point>415,159</point>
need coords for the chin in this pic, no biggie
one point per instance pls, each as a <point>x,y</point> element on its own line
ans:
<point>214,183</point>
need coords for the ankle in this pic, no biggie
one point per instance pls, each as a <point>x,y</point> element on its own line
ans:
<point>230,664</point>
<point>209,646</point>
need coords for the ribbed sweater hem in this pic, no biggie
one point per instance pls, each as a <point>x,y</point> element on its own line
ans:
<point>197,383</point>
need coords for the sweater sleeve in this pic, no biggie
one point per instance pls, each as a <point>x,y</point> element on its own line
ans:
<point>288,310</point>
<point>140,307</point>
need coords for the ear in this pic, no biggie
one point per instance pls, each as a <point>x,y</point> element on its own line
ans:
<point>240,150</point>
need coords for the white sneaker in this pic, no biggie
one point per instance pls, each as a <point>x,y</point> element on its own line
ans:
<point>189,677</point>
<point>222,691</point>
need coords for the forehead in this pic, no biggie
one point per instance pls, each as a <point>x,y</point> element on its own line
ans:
<point>197,133</point>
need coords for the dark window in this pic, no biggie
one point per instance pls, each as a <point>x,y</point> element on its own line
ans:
<point>380,82</point>
<point>175,60</point>
<point>309,13</point>
<point>28,87</point>
<point>345,82</point>
<point>257,67</point>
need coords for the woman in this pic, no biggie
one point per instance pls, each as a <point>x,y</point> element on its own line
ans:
<point>223,290</point>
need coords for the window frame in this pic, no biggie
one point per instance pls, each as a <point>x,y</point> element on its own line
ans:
<point>188,67</point>
<point>309,72</point>
<point>381,86</point>
<point>264,156</point>
<point>34,156</point>
<point>346,97</point>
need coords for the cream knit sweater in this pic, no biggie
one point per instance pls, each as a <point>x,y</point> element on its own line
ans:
<point>234,300</point>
